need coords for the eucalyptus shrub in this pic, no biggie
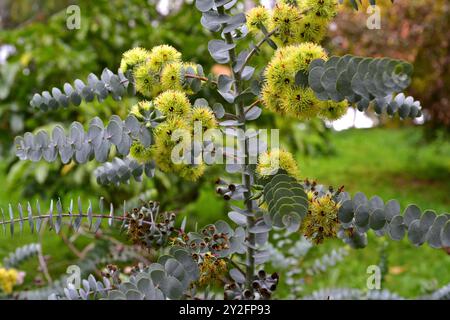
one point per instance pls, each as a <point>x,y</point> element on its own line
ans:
<point>300,81</point>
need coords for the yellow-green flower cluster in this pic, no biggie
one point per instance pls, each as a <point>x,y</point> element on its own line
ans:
<point>132,58</point>
<point>270,162</point>
<point>161,56</point>
<point>286,19</point>
<point>256,18</point>
<point>204,117</point>
<point>171,76</point>
<point>295,21</point>
<point>331,110</point>
<point>211,268</point>
<point>173,103</point>
<point>321,222</point>
<point>140,153</point>
<point>8,279</point>
<point>138,110</point>
<point>281,94</point>
<point>155,71</point>
<point>175,132</point>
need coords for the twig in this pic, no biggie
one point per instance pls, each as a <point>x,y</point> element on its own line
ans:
<point>236,266</point>
<point>253,105</point>
<point>86,249</point>
<point>65,215</point>
<point>42,262</point>
<point>72,248</point>
<point>256,49</point>
<point>194,76</point>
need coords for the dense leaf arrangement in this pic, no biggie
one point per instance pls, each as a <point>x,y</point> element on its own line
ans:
<point>287,203</point>
<point>327,261</point>
<point>83,146</point>
<point>122,170</point>
<point>169,278</point>
<point>75,214</point>
<point>354,217</point>
<point>300,81</point>
<point>21,254</point>
<point>263,284</point>
<point>359,214</point>
<point>99,256</point>
<point>364,80</point>
<point>109,84</point>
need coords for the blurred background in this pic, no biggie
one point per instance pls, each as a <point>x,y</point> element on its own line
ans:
<point>404,160</point>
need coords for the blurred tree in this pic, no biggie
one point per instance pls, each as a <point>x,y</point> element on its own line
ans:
<point>46,54</point>
<point>46,51</point>
<point>416,31</point>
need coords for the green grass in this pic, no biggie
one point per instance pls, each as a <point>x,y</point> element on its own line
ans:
<point>391,163</point>
<point>394,164</point>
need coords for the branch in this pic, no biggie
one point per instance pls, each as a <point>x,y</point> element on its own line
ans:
<point>116,85</point>
<point>43,265</point>
<point>71,247</point>
<point>236,265</point>
<point>193,76</point>
<point>254,104</point>
<point>256,48</point>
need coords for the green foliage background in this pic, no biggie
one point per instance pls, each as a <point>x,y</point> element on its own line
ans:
<point>393,163</point>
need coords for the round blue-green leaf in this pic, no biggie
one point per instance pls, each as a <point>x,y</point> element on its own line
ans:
<point>237,276</point>
<point>343,85</point>
<point>346,212</point>
<point>404,110</point>
<point>133,295</point>
<point>376,203</point>
<point>125,286</point>
<point>363,105</point>
<point>315,74</point>
<point>260,227</point>
<point>427,219</point>
<point>292,222</point>
<point>357,240</point>
<point>377,219</point>
<point>172,287</point>
<point>157,276</point>
<point>329,79</point>
<point>147,288</point>
<point>412,212</point>
<point>114,132</point>
<point>316,63</point>
<point>416,234</point>
<point>434,234</point>
<point>445,235</point>
<point>237,218</point>
<point>359,87</point>
<point>397,228</point>
<point>219,110</point>
<point>332,62</point>
<point>359,199</point>
<point>204,5</point>
<point>223,227</point>
<point>392,209</point>
<point>116,295</point>
<point>362,215</point>
<point>66,152</point>
<point>102,151</point>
